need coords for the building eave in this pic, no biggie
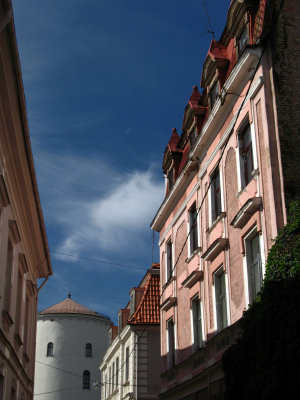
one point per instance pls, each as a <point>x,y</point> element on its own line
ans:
<point>45,268</point>
<point>233,86</point>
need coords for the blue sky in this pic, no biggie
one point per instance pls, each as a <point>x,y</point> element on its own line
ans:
<point>105,82</point>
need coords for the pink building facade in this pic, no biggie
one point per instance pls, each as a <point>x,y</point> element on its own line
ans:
<point>228,180</point>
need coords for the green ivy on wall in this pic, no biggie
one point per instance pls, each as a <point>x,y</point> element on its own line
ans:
<point>264,363</point>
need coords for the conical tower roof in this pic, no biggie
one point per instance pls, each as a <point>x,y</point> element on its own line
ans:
<point>69,306</point>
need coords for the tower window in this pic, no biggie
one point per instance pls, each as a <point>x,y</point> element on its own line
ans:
<point>86,380</point>
<point>50,349</point>
<point>88,350</point>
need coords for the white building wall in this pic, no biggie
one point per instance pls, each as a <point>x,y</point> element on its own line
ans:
<point>60,376</point>
<point>126,388</point>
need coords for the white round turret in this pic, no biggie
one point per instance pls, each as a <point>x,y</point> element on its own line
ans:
<point>71,341</point>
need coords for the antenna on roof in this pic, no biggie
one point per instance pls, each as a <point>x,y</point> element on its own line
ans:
<point>208,20</point>
<point>69,295</point>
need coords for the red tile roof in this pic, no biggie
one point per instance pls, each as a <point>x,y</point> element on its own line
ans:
<point>147,311</point>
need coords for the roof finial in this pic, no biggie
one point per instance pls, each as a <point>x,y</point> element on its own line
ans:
<point>69,295</point>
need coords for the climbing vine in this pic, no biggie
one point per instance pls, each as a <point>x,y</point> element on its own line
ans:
<point>263,364</point>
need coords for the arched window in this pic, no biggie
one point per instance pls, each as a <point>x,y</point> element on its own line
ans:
<point>88,350</point>
<point>86,380</point>
<point>50,348</point>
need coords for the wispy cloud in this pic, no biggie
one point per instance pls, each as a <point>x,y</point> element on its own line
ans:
<point>98,208</point>
<point>117,221</point>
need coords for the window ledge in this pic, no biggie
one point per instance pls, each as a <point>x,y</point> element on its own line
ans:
<point>246,211</point>
<point>18,339</point>
<point>7,318</point>
<point>215,249</point>
<point>168,303</point>
<point>25,356</point>
<point>194,277</point>
<point>216,221</point>
<point>198,249</point>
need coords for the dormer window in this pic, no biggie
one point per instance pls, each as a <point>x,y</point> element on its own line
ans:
<point>132,302</point>
<point>170,179</point>
<point>242,39</point>
<point>213,93</point>
<point>193,135</point>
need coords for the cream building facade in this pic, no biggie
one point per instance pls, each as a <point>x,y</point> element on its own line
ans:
<point>24,254</point>
<point>131,365</point>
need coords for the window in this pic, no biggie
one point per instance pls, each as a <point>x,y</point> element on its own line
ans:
<point>88,350</point>
<point>132,302</point>
<point>109,383</point>
<point>171,343</point>
<point>86,380</point>
<point>213,94</point>
<point>246,156</point>
<point>19,303</point>
<point>197,323</point>
<point>105,387</point>
<point>50,349</point>
<point>169,263</point>
<point>220,298</point>
<point>193,228</point>
<point>117,372</point>
<point>113,377</point>
<point>127,364</point>
<point>8,276</point>
<point>254,266</point>
<point>170,179</point>
<point>242,39</point>
<point>215,199</point>
<point>193,135</point>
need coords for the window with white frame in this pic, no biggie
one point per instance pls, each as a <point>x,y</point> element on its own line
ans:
<point>171,343</point>
<point>197,323</point>
<point>246,155</point>
<point>254,264</point>
<point>127,364</point>
<point>215,195</point>
<point>117,372</point>
<point>109,382</point>
<point>169,260</point>
<point>113,377</point>
<point>220,299</point>
<point>193,228</point>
